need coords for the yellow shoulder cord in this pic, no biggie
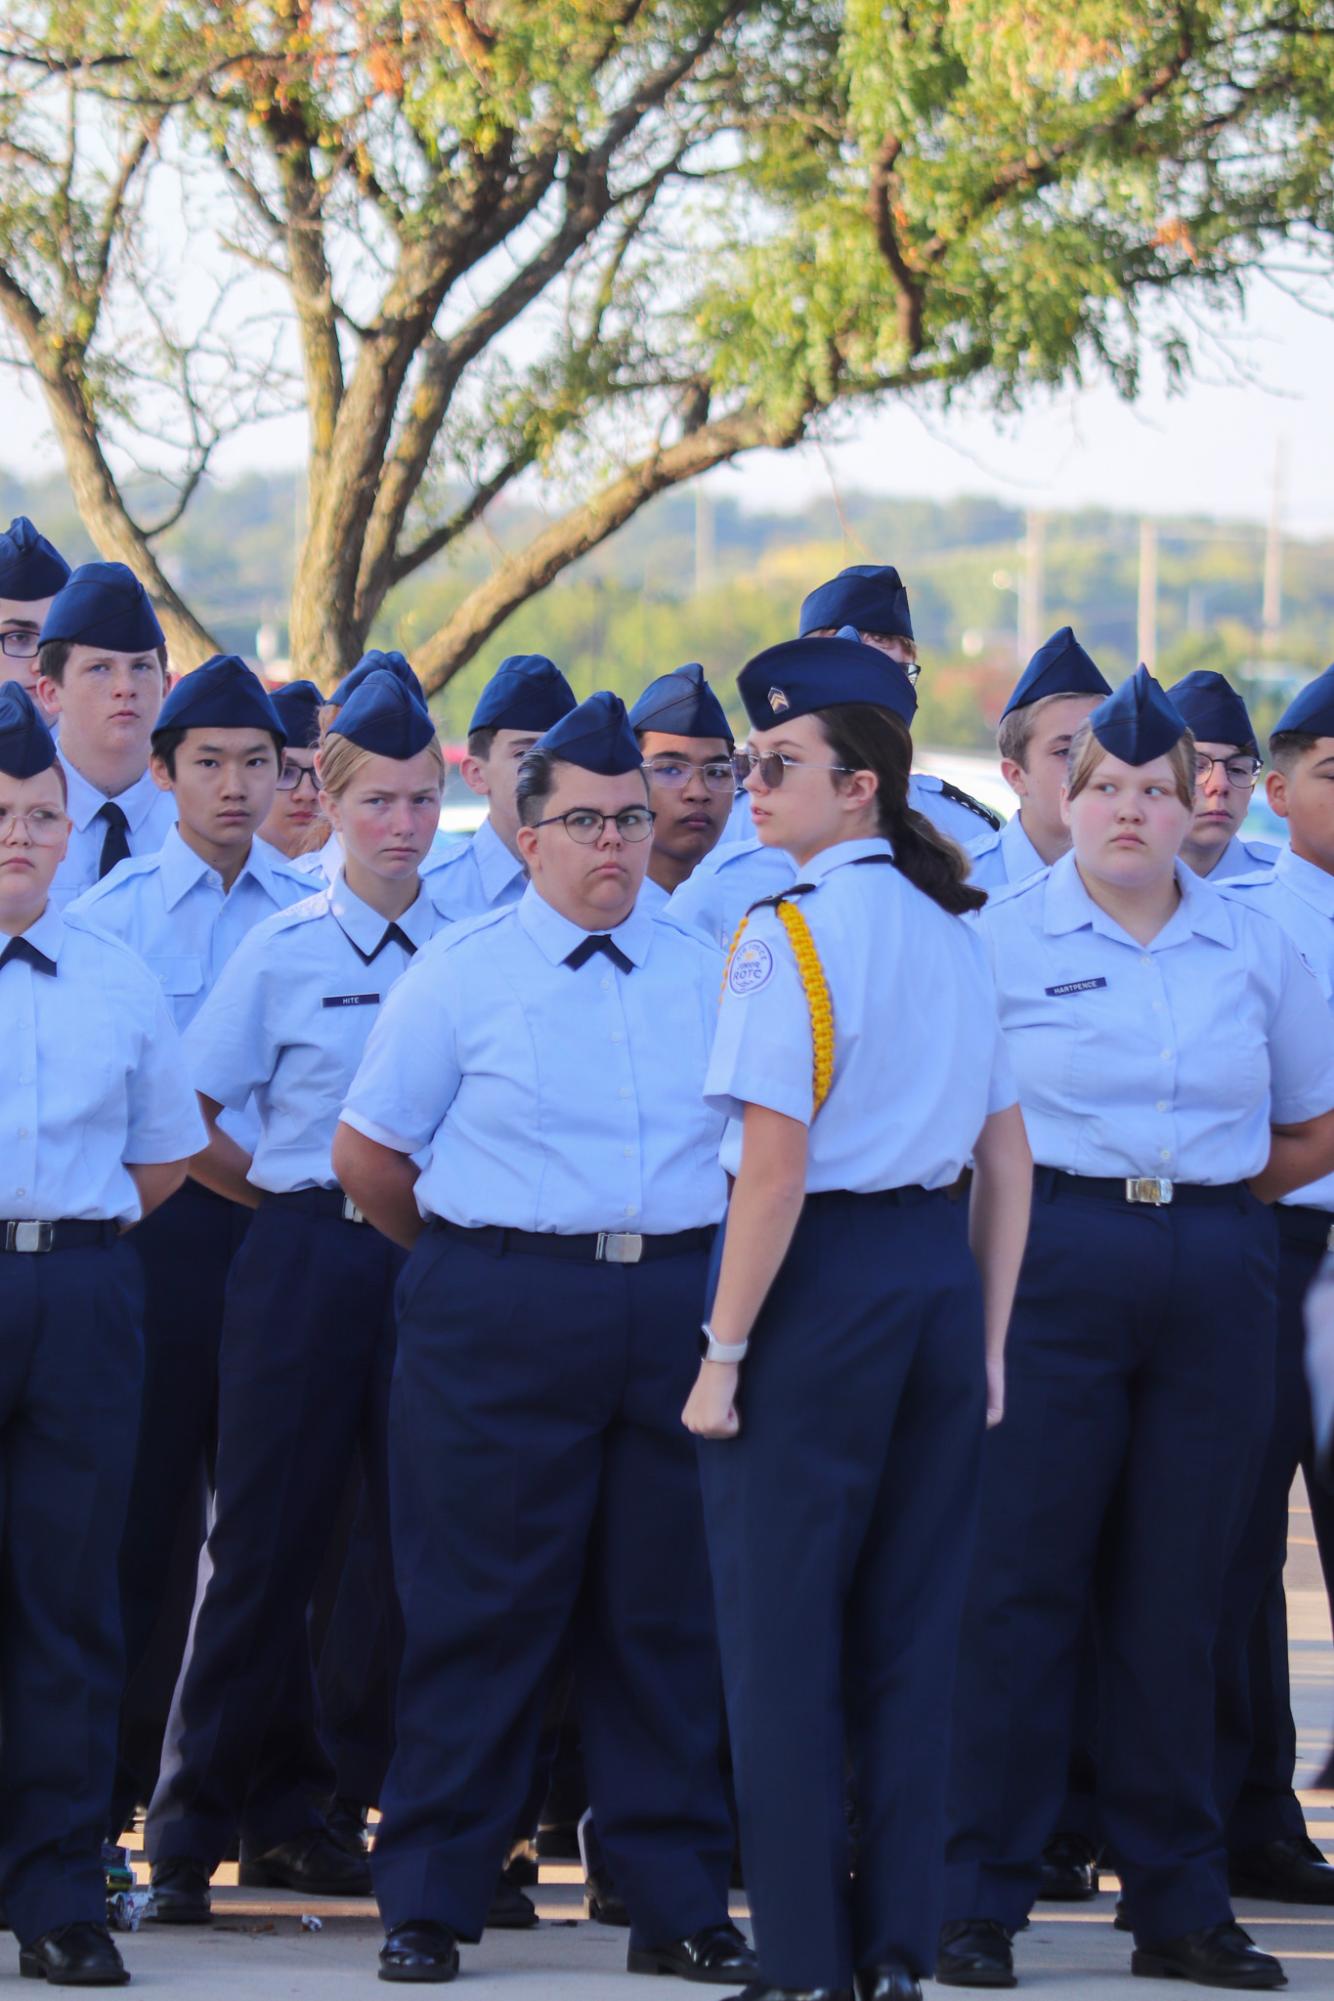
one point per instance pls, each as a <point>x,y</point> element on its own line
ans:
<point>816,987</point>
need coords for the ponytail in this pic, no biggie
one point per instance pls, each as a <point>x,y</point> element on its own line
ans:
<point>866,738</point>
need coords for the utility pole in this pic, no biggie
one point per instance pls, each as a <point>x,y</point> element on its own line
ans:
<point>1148,594</point>
<point>1033,588</point>
<point>1271,616</point>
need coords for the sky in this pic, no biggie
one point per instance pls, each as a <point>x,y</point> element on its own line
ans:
<point>1211,449</point>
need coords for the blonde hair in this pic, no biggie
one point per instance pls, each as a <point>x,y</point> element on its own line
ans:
<point>338,760</point>
<point>1014,732</point>
<point>1086,754</point>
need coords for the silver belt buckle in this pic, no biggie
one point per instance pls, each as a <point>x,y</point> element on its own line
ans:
<point>619,1247</point>
<point>28,1236</point>
<point>351,1213</point>
<point>1148,1188</point>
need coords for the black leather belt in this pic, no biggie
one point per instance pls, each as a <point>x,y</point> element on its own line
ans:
<point>318,1202</point>
<point>1313,1229</point>
<point>910,1197</point>
<point>73,1236</point>
<point>612,1247</point>
<point>1141,1189</point>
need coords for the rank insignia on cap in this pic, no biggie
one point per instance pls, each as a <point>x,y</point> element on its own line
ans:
<point>778,701</point>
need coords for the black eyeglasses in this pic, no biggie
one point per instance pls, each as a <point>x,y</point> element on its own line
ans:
<point>632,823</point>
<point>772,766</point>
<point>291,775</point>
<point>1241,770</point>
<point>19,645</point>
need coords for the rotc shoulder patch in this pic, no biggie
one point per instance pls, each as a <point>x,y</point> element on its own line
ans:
<point>751,968</point>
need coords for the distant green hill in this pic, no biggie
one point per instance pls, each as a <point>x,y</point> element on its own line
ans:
<point>714,585</point>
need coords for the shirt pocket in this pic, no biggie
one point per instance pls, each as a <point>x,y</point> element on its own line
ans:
<point>178,977</point>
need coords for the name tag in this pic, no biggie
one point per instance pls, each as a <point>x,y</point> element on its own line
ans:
<point>1070,987</point>
<point>356,1000</point>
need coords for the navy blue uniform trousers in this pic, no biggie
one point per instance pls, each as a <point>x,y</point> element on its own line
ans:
<point>840,1526</point>
<point>186,1249</point>
<point>307,1352</point>
<point>1257,1740</point>
<point>71,1371</point>
<point>1139,1391</point>
<point>542,1484</point>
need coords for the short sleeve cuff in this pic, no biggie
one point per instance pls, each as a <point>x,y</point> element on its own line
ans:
<point>380,1134</point>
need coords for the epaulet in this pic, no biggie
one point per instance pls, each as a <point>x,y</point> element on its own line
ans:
<point>76,920</point>
<point>782,896</point>
<point>1010,892</point>
<point>685,929</point>
<point>958,797</point>
<point>984,844</point>
<point>125,871</point>
<point>316,904</point>
<point>455,934</point>
<point>438,858</point>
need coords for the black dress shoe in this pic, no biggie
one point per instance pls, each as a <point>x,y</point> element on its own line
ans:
<point>419,1950</point>
<point>1222,1956</point>
<point>975,1952</point>
<point>510,1910</point>
<point>79,1955</point>
<point>313,1862</point>
<point>890,1981</point>
<point>521,1868</point>
<point>1069,1873</point>
<point>180,1893</point>
<point>718,1954</point>
<point>1282,1872</point>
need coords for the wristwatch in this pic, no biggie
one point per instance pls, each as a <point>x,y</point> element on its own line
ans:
<point>714,1350</point>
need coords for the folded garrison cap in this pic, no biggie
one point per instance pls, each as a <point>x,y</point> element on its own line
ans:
<point>1059,667</point>
<point>298,705</point>
<point>30,566</point>
<point>869,596</point>
<point>384,716</point>
<point>596,736</point>
<point>526,692</point>
<point>104,604</point>
<point>1212,709</point>
<point>1137,723</point>
<point>800,676</point>
<point>376,662</point>
<point>223,694</point>
<point>681,704</point>
<point>26,744</point>
<point>1312,711</point>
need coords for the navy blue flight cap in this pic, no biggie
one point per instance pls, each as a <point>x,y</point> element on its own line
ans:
<point>26,744</point>
<point>869,596</point>
<point>526,692</point>
<point>1137,723</point>
<point>104,604</point>
<point>681,704</point>
<point>1312,711</point>
<point>298,705</point>
<point>30,566</point>
<point>1059,667</point>
<point>597,737</point>
<point>376,662</point>
<point>800,676</point>
<point>223,694</point>
<point>1211,709</point>
<point>384,716</point>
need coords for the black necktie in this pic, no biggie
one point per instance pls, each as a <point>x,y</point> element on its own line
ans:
<point>116,840</point>
<point>393,935</point>
<point>599,941</point>
<point>23,949</point>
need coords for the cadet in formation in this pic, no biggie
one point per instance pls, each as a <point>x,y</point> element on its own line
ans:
<point>1227,763</point>
<point>529,1118</point>
<point>1269,1851</point>
<point>866,603</point>
<point>307,1341</point>
<point>32,570</point>
<point>840,1463</point>
<point>184,909</point>
<point>97,1130</point>
<point>684,734</point>
<point>296,823</point>
<point>1175,1062</point>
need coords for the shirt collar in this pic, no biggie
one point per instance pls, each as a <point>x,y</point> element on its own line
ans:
<point>556,937</point>
<point>46,932</point>
<point>136,802</point>
<point>180,868</point>
<point>1020,854</point>
<point>1314,885</point>
<point>1203,911</point>
<point>366,927</point>
<point>842,852</point>
<point>497,867</point>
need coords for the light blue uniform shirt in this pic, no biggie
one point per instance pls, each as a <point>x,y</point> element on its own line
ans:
<point>93,1076</point>
<point>1299,897</point>
<point>150,815</point>
<point>1243,857</point>
<point>172,909</point>
<point>472,877</point>
<point>288,1021</point>
<point>1168,1059</point>
<point>919,1060</point>
<point>1002,857</point>
<point>548,1097</point>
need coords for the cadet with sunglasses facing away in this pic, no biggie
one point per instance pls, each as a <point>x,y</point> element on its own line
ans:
<point>529,1119</point>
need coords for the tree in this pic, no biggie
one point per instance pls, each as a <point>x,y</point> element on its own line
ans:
<point>606,244</point>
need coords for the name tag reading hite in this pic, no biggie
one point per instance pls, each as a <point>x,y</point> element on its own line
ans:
<point>350,1000</point>
<point>1070,987</point>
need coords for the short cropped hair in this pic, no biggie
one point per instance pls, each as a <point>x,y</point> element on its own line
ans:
<point>537,782</point>
<point>1286,746</point>
<point>166,743</point>
<point>53,656</point>
<point>480,742</point>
